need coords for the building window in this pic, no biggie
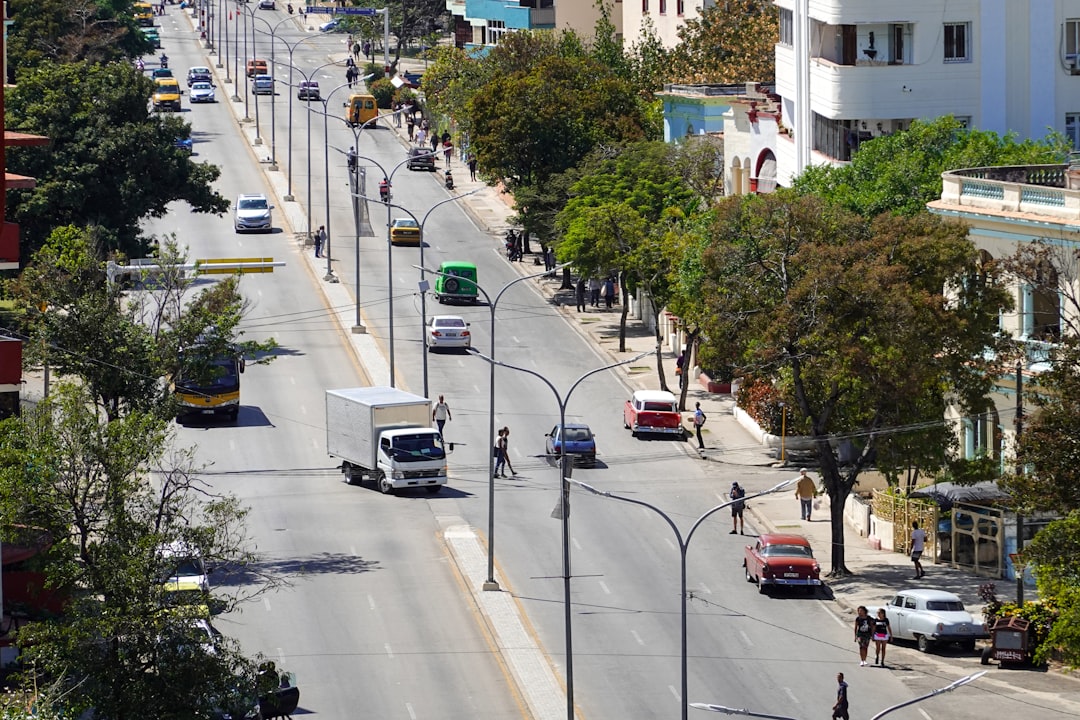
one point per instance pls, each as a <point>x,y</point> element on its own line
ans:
<point>964,120</point>
<point>1072,39</point>
<point>663,7</point>
<point>495,30</point>
<point>1072,129</point>
<point>680,7</point>
<point>787,27</point>
<point>645,6</point>
<point>957,42</point>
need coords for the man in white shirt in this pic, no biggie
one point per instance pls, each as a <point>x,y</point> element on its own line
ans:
<point>441,414</point>
<point>918,541</point>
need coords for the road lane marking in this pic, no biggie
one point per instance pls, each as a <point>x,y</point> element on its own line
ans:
<point>842,623</point>
<point>314,443</point>
<point>924,714</point>
<point>352,551</point>
<point>637,637</point>
<point>408,709</point>
<point>674,692</point>
<point>371,601</point>
<point>705,589</point>
<point>266,602</point>
<point>792,696</point>
<point>303,409</point>
<point>476,388</point>
<point>577,545</point>
<point>604,587</point>
<point>232,446</point>
<point>746,639</point>
<point>516,341</point>
<point>281,657</point>
<point>389,652</point>
<point>292,379</point>
<point>670,544</point>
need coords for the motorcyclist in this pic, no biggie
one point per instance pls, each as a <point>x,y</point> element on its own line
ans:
<point>164,60</point>
<point>139,65</point>
<point>290,9</point>
<point>384,190</point>
<point>449,181</point>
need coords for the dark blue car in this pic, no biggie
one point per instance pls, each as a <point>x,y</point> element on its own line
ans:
<point>579,441</point>
<point>184,144</point>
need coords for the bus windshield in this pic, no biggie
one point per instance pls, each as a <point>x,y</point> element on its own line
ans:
<point>216,376</point>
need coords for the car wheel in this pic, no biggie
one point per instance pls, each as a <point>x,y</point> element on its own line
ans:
<point>925,644</point>
<point>987,653</point>
<point>762,588</point>
<point>746,571</point>
<point>384,486</point>
<point>968,646</point>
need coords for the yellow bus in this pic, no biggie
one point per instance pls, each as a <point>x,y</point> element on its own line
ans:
<point>208,386</point>
<point>360,109</point>
<point>144,14</point>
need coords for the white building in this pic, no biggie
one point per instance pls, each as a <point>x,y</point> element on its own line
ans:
<point>666,17</point>
<point>868,67</point>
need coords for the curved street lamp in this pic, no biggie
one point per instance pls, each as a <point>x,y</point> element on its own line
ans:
<point>329,277</point>
<point>684,544</point>
<point>564,501</point>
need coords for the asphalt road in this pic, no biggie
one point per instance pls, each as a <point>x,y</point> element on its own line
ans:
<point>375,621</point>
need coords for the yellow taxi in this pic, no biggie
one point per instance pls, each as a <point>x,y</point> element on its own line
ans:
<point>404,231</point>
<point>166,94</point>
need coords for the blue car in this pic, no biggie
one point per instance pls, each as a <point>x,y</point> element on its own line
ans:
<point>579,441</point>
<point>184,144</point>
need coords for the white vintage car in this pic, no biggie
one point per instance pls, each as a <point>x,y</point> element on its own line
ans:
<point>930,617</point>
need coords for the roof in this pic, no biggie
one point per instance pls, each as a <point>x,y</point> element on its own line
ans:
<point>654,396</point>
<point>782,539</point>
<point>378,396</point>
<point>929,594</point>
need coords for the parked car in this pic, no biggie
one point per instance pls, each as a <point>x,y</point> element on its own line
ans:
<point>202,92</point>
<point>447,331</point>
<point>578,440</point>
<point>421,159</point>
<point>456,282</point>
<point>253,213</point>
<point>263,85</point>
<point>329,26</point>
<point>199,73</point>
<point>930,617</point>
<point>776,560</point>
<point>652,411</point>
<point>404,231</point>
<point>308,90</point>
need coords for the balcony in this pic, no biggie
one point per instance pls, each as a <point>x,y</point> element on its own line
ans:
<point>1036,189</point>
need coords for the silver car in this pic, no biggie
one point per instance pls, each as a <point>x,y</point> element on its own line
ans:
<point>930,617</point>
<point>202,92</point>
<point>448,331</point>
<point>253,214</point>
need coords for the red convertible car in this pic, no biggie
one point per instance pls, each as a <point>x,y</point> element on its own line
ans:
<point>779,560</point>
<point>652,411</point>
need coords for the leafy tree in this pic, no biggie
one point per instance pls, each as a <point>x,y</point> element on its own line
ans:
<point>409,20</point>
<point>685,247</point>
<point>866,326</point>
<point>901,173</point>
<point>112,496</point>
<point>729,42</point>
<point>121,350</point>
<point>111,163</point>
<point>67,31</point>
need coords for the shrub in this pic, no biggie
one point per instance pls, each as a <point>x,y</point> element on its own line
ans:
<point>383,90</point>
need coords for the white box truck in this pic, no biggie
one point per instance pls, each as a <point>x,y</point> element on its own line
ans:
<point>385,434</point>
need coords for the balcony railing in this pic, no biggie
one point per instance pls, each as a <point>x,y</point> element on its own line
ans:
<point>1035,189</point>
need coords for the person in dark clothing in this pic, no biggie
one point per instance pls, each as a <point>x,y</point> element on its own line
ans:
<point>472,167</point>
<point>609,293</point>
<point>579,294</point>
<point>594,292</point>
<point>840,709</point>
<point>411,124</point>
<point>434,142</point>
<point>737,494</point>
<point>882,635</point>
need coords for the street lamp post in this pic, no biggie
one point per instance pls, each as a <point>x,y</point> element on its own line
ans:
<point>684,544</point>
<point>564,501</point>
<point>247,116</point>
<point>329,277</point>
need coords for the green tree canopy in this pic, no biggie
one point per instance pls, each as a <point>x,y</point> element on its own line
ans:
<point>729,42</point>
<point>111,163</point>
<point>901,173</point>
<point>866,327</point>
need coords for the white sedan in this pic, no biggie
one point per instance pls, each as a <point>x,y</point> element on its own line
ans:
<point>202,92</point>
<point>447,331</point>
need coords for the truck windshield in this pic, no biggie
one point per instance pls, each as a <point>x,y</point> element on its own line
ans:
<point>416,448</point>
<point>217,376</point>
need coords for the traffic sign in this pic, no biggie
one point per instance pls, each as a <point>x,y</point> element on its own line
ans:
<point>318,10</point>
<point>231,266</point>
<point>321,10</point>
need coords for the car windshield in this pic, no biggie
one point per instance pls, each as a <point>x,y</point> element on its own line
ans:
<point>188,567</point>
<point>786,551</point>
<point>658,407</point>
<point>450,323</point>
<point>200,86</point>
<point>577,434</point>
<point>414,448</point>
<point>252,204</point>
<point>405,223</point>
<point>461,272</point>
<point>218,375</point>
<point>945,605</point>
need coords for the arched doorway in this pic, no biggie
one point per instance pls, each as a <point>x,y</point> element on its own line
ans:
<point>765,172</point>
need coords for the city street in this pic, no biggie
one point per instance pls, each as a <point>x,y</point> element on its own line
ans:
<point>376,620</point>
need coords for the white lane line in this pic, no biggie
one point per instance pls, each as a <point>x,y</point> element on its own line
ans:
<point>577,545</point>
<point>674,692</point>
<point>352,550</point>
<point>303,409</point>
<point>842,623</point>
<point>705,589</point>
<point>266,602</point>
<point>637,637</point>
<point>314,443</point>
<point>371,602</point>
<point>389,652</point>
<point>292,379</point>
<point>232,445</point>
<point>408,709</point>
<point>604,587</point>
<point>670,544</point>
<point>460,363</point>
<point>476,388</point>
<point>924,714</point>
<point>518,342</point>
<point>281,657</point>
<point>792,696</point>
<point>746,639</point>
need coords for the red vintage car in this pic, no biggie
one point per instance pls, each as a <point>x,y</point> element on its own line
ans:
<point>781,560</point>
<point>652,411</point>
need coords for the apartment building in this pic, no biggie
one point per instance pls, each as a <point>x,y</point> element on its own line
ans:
<point>849,70</point>
<point>479,23</point>
<point>665,16</point>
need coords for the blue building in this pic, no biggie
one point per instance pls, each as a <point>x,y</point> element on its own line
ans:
<point>482,23</point>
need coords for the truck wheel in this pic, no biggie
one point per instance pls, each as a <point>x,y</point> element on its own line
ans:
<point>347,470</point>
<point>433,489</point>
<point>384,487</point>
<point>925,643</point>
<point>987,653</point>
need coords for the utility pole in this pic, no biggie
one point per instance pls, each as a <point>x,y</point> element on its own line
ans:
<point>1019,421</point>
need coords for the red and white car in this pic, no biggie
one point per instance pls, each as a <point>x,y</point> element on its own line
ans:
<point>652,411</point>
<point>781,560</point>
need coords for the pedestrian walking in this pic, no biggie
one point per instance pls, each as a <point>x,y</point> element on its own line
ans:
<point>506,449</point>
<point>356,50</point>
<point>421,137</point>
<point>472,166</point>
<point>882,636</point>
<point>320,238</point>
<point>367,49</point>
<point>840,709</point>
<point>579,293</point>
<point>447,151</point>
<point>609,293</point>
<point>864,631</point>
<point>434,142</point>
<point>594,292</point>
<point>410,123</point>
<point>500,455</point>
<point>441,414</point>
<point>399,109</point>
<point>918,542</point>
<point>349,62</point>
<point>737,494</point>
<point>699,422</point>
<point>805,490</point>
<point>352,157</point>
<point>549,258</point>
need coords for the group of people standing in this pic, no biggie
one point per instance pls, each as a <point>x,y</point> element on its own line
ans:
<point>590,289</point>
<point>874,629</point>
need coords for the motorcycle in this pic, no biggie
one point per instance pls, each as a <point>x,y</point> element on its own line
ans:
<point>449,181</point>
<point>384,191</point>
<point>164,60</point>
<point>513,246</point>
<point>290,9</point>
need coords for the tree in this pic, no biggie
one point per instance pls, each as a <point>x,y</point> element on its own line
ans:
<point>729,42</point>
<point>409,20</point>
<point>865,326</point>
<point>112,497</point>
<point>82,326</point>
<point>901,173</point>
<point>111,164</point>
<point>67,31</point>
